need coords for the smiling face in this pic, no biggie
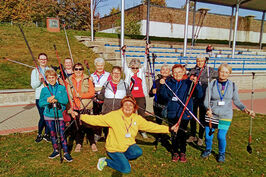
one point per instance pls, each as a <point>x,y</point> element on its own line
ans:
<point>99,67</point>
<point>178,73</point>
<point>116,76</point>
<point>223,73</point>
<point>200,62</point>
<point>42,61</point>
<point>165,71</point>
<point>128,108</point>
<point>51,79</point>
<point>135,69</point>
<point>68,64</point>
<point>78,71</point>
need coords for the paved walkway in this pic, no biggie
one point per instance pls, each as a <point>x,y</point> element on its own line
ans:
<point>23,118</point>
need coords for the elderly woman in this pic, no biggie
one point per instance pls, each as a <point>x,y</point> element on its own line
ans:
<point>135,78</point>
<point>180,85</point>
<point>113,92</point>
<point>54,99</point>
<point>220,113</point>
<point>81,91</point>
<point>100,76</point>
<point>198,103</point>
<point>123,126</point>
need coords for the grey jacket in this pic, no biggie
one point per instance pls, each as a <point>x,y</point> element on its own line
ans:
<point>112,101</point>
<point>223,111</point>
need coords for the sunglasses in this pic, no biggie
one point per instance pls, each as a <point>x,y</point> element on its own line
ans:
<point>78,69</point>
<point>134,68</point>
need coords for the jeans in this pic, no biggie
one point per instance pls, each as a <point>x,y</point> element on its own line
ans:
<point>119,160</point>
<point>41,123</point>
<point>221,136</point>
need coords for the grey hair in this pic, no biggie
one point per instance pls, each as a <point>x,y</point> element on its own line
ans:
<point>200,56</point>
<point>134,62</point>
<point>99,60</point>
<point>166,66</point>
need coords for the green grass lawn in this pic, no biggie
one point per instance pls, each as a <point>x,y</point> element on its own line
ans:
<point>21,156</point>
<point>13,46</point>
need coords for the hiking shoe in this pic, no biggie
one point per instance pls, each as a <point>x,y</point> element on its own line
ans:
<point>183,158</point>
<point>47,137</point>
<point>101,163</point>
<point>78,148</point>
<point>200,142</point>
<point>144,135</point>
<point>175,157</point>
<point>192,139</point>
<point>206,154</point>
<point>68,157</point>
<point>54,155</point>
<point>38,138</point>
<point>221,158</point>
<point>94,147</point>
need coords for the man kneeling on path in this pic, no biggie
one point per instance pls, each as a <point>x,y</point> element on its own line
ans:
<point>124,125</point>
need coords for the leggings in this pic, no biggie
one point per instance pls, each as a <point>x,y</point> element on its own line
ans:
<point>221,136</point>
<point>51,125</point>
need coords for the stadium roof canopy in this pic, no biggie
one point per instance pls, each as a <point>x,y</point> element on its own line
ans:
<point>258,5</point>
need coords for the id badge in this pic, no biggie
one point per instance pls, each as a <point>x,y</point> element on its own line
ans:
<point>221,103</point>
<point>136,88</point>
<point>174,99</point>
<point>128,135</point>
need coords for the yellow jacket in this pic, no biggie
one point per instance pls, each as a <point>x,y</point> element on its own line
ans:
<point>118,124</point>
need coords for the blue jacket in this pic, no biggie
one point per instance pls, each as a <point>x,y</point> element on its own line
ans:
<point>181,89</point>
<point>60,94</point>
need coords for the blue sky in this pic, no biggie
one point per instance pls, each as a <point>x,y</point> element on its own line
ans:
<point>104,7</point>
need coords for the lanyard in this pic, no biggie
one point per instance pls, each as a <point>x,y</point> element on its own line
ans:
<point>99,78</point>
<point>221,95</point>
<point>114,86</point>
<point>127,128</point>
<point>178,85</point>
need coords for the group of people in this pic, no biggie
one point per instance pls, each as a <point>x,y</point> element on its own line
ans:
<point>104,102</point>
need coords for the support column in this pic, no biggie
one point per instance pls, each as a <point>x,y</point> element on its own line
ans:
<point>261,29</point>
<point>92,37</point>
<point>186,28</point>
<point>235,31</point>
<point>122,24</point>
<point>193,24</point>
<point>231,27</point>
<point>148,22</point>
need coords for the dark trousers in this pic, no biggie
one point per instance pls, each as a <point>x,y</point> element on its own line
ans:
<point>193,123</point>
<point>41,124</point>
<point>141,102</point>
<point>97,109</point>
<point>179,139</point>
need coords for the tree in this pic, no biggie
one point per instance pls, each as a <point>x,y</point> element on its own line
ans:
<point>132,25</point>
<point>156,2</point>
<point>114,10</point>
<point>191,5</point>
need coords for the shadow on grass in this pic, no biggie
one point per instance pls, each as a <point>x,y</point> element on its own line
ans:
<point>117,174</point>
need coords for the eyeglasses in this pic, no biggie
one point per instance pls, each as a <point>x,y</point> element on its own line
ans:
<point>134,68</point>
<point>78,69</point>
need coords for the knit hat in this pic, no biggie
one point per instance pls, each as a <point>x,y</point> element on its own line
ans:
<point>131,99</point>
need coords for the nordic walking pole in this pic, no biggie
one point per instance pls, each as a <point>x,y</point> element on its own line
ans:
<point>147,52</point>
<point>70,53</point>
<point>249,149</point>
<point>58,135</point>
<point>209,96</point>
<point>123,51</point>
<point>18,62</point>
<point>87,66</point>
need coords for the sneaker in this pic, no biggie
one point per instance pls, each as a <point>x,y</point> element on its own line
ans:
<point>94,147</point>
<point>38,138</point>
<point>192,139</point>
<point>47,137</point>
<point>78,148</point>
<point>183,158</point>
<point>144,135</point>
<point>175,157</point>
<point>54,155</point>
<point>206,154</point>
<point>200,142</point>
<point>221,158</point>
<point>68,157</point>
<point>101,163</point>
